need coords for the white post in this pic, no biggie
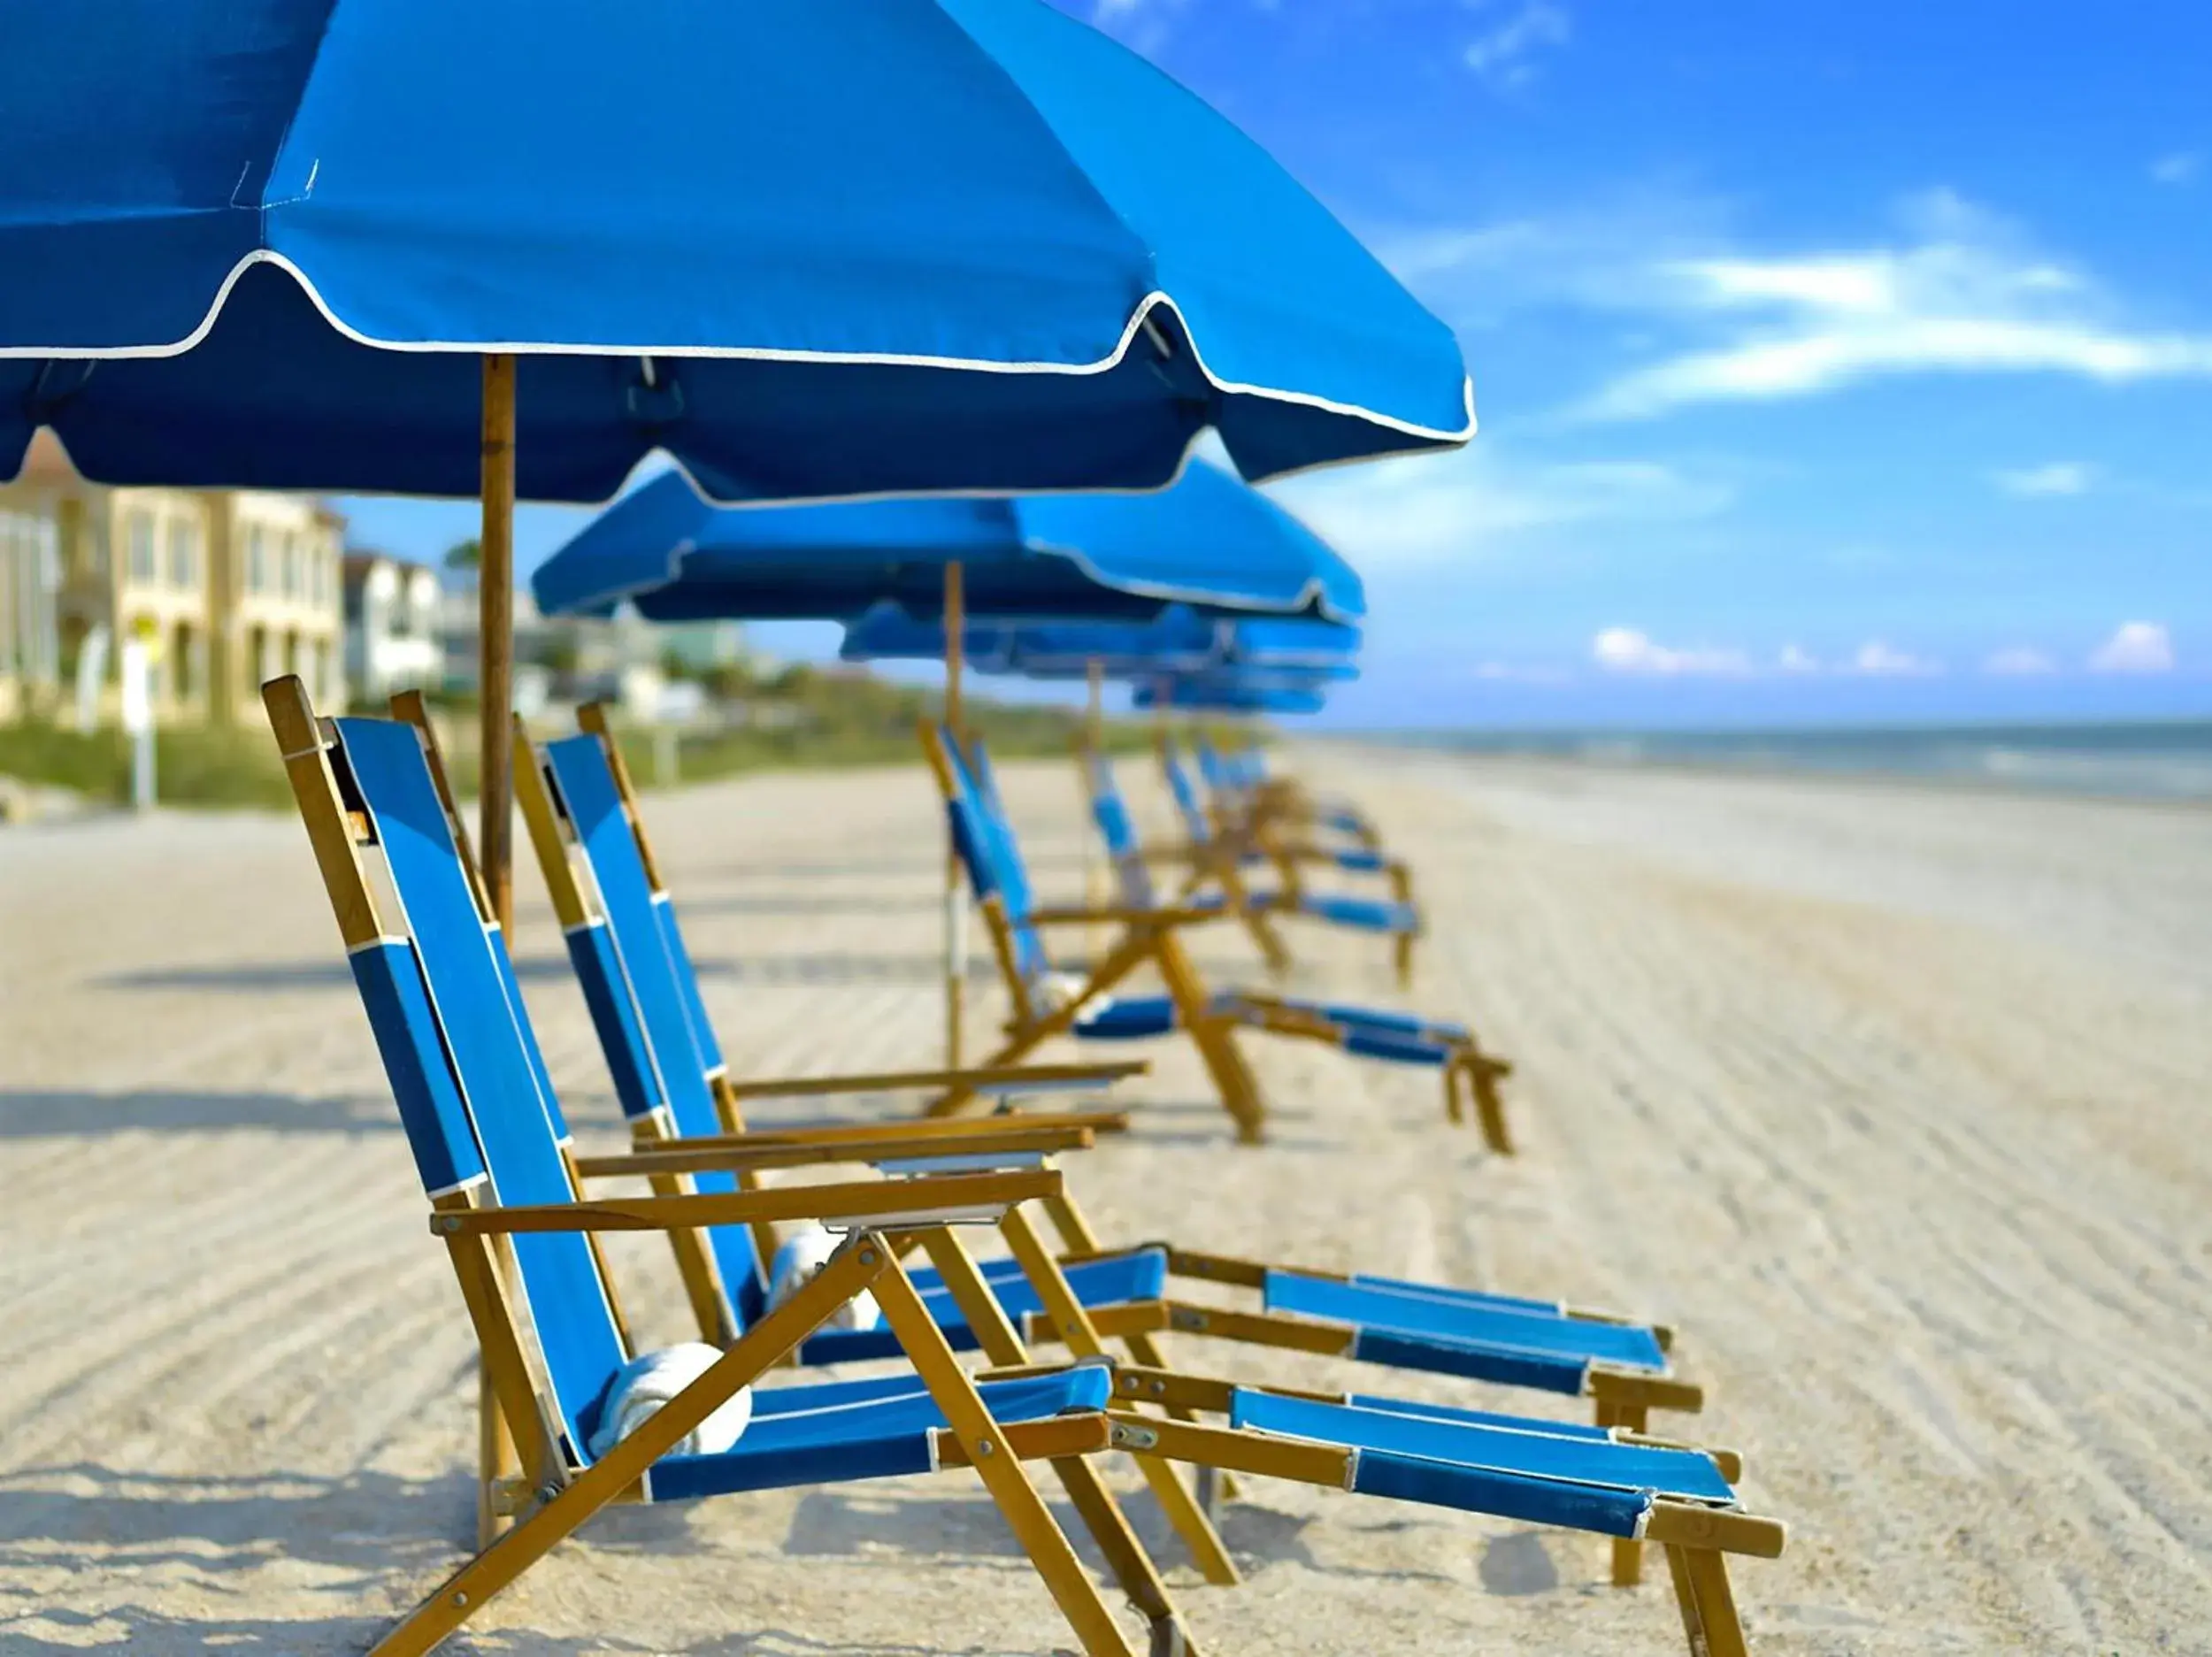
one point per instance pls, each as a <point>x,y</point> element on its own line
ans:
<point>137,666</point>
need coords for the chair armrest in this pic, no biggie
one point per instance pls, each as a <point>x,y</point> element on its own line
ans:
<point>958,1129</point>
<point>683,1157</point>
<point>944,1200</point>
<point>983,1079</point>
<point>1119,917</point>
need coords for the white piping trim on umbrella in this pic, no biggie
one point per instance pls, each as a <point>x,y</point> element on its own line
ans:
<point>1314,592</point>
<point>1138,320</point>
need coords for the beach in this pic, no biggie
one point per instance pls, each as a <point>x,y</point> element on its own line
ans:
<point>1889,1098</point>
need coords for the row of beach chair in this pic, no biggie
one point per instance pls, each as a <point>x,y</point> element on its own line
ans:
<point>1064,1334</point>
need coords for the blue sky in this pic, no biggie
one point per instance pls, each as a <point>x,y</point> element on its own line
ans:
<point>1834,361</point>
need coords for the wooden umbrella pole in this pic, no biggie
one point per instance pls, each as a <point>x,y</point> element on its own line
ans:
<point>955,907</point>
<point>1094,734</point>
<point>497,1461</point>
<point>496,641</point>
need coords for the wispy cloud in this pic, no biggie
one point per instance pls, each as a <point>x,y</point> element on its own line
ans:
<point>2059,477</point>
<point>2135,646</point>
<point>1504,56</point>
<point>2179,166</point>
<point>1629,651</point>
<point>1431,509</point>
<point>1965,295</point>
<point>2019,661</point>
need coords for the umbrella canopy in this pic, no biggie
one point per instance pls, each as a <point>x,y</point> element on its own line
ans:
<point>1184,642</point>
<point>809,248</point>
<point>1214,694</point>
<point>1208,541</point>
<point>1181,642</point>
<point>256,243</point>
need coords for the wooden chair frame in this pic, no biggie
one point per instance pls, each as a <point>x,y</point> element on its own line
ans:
<point>1695,1537</point>
<point>1151,938</point>
<point>1262,833</point>
<point>1623,1399</point>
<point>551,1497</point>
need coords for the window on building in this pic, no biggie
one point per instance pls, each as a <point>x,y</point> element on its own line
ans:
<point>184,553</point>
<point>289,565</point>
<point>184,662</point>
<point>257,560</point>
<point>138,531</point>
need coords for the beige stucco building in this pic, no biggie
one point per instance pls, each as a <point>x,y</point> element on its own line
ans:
<point>233,586</point>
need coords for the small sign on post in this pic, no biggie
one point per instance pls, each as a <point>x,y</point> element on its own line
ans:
<point>142,649</point>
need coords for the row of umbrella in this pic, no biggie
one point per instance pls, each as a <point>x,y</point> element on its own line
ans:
<point>517,245</point>
<point>1207,595</point>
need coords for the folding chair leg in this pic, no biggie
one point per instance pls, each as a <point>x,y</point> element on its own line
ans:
<point>618,1472</point>
<point>1482,1080</point>
<point>1076,1236</point>
<point>1188,1516</point>
<point>497,1462</point>
<point>1708,1571</point>
<point>1401,957</point>
<point>1686,1600</point>
<point>1002,1473</point>
<point>1233,1079</point>
<point>1709,1605</point>
<point>1628,1552</point>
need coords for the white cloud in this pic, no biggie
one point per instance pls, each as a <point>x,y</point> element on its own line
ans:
<point>1501,56</point>
<point>1964,296</point>
<point>1795,659</point>
<point>1421,509</point>
<point>1626,650</point>
<point>2018,661</point>
<point>2060,476</point>
<point>2181,166</point>
<point>2135,646</point>
<point>1874,659</point>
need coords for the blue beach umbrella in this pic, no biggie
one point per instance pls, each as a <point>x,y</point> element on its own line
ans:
<point>1231,693</point>
<point>517,245</point>
<point>1207,542</point>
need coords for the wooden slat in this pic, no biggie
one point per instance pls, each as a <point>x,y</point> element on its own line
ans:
<point>902,1202</point>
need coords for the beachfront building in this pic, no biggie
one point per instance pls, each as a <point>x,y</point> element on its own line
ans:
<point>30,641</point>
<point>284,613</point>
<point>392,627</point>
<point>227,587</point>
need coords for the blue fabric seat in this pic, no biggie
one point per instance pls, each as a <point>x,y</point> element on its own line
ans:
<point>1544,1332</point>
<point>480,1111</point>
<point>830,1434</point>
<point>1580,1480</point>
<point>642,987</point>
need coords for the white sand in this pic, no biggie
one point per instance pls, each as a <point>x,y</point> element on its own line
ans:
<point>1893,1100</point>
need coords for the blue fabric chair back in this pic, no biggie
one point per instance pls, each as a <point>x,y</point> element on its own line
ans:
<point>458,1046</point>
<point>1118,828</point>
<point>1184,792</point>
<point>644,990</point>
<point>993,860</point>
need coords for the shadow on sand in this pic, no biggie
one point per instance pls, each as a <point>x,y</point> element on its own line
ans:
<point>37,1114</point>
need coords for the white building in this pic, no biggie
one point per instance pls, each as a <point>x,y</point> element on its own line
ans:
<point>392,627</point>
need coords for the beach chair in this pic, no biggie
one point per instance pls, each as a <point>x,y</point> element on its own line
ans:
<point>1218,860</point>
<point>643,987</point>
<point>1243,786</point>
<point>1047,1003</point>
<point>486,1126</point>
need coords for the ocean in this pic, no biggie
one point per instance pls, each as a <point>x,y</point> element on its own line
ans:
<point>2162,760</point>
